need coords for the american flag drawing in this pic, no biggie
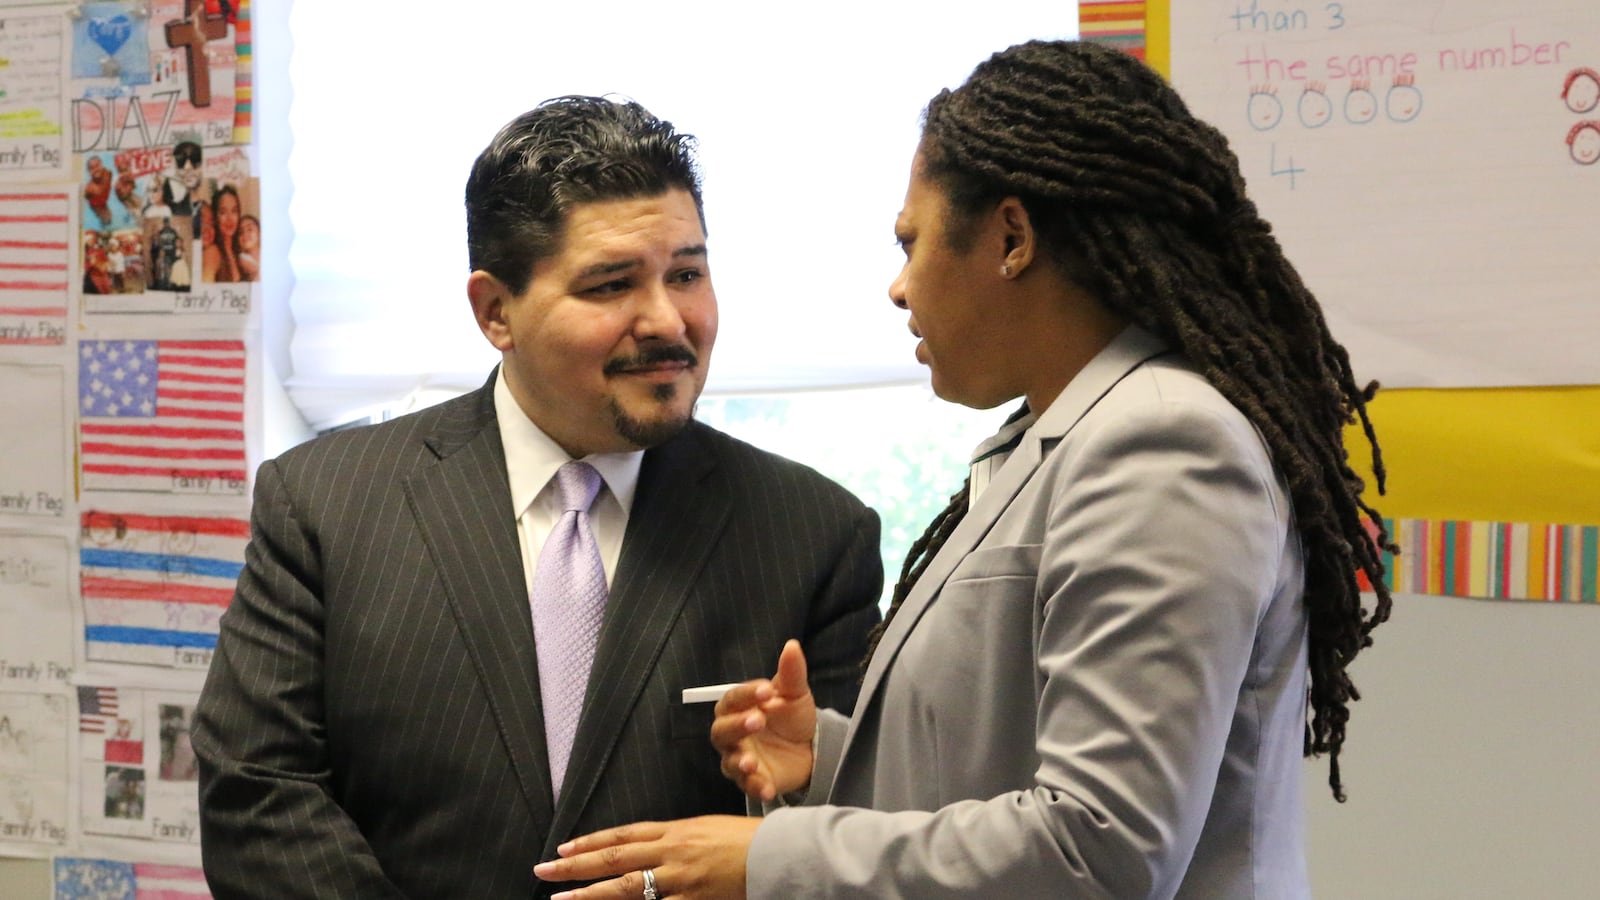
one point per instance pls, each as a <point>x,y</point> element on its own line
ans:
<point>33,268</point>
<point>97,708</point>
<point>163,416</point>
<point>104,879</point>
<point>155,585</point>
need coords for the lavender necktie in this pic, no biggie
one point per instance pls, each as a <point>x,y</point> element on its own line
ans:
<point>569,600</point>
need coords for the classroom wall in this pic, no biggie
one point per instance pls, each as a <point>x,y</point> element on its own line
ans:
<point>1468,771</point>
<point>105,55</point>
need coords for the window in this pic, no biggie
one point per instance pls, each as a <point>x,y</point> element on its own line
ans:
<point>900,449</point>
<point>807,117</point>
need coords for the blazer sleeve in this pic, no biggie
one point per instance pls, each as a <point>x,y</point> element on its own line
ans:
<point>1159,556</point>
<point>269,826</point>
<point>842,614</point>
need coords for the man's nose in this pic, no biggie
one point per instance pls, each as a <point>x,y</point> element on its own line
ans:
<point>659,315</point>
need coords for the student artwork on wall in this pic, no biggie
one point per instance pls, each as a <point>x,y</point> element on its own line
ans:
<point>157,160</point>
<point>162,416</point>
<point>178,231</point>
<point>34,482</point>
<point>188,87</point>
<point>1417,162</point>
<point>80,878</point>
<point>34,46</point>
<point>129,263</point>
<point>1429,169</point>
<point>109,39</point>
<point>139,770</point>
<point>36,638</point>
<point>35,229</point>
<point>154,586</point>
<point>230,225</point>
<point>34,780</point>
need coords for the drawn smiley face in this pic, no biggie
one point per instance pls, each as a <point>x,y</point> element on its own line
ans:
<point>1265,110</point>
<point>1404,101</point>
<point>1581,92</point>
<point>1360,105</point>
<point>1315,109</point>
<point>1583,142</point>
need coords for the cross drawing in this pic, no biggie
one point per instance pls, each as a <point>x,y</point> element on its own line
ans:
<point>191,33</point>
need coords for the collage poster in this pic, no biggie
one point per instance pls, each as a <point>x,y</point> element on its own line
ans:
<point>130,271</point>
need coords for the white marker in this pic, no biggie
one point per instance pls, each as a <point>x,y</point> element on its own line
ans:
<point>711,693</point>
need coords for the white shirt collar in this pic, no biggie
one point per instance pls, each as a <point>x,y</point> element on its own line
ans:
<point>532,457</point>
<point>993,452</point>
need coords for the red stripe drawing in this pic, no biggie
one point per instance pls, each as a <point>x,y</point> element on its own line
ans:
<point>33,268</point>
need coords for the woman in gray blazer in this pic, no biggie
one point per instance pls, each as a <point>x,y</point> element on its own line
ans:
<point>1105,661</point>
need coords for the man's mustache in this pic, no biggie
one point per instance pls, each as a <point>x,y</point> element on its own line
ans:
<point>652,356</point>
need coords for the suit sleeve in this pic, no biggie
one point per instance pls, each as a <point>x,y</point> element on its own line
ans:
<point>270,826</point>
<point>1159,555</point>
<point>843,613</point>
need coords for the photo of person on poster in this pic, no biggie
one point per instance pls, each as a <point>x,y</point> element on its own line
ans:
<point>169,267</point>
<point>247,248</point>
<point>181,189</point>
<point>234,228</point>
<point>97,192</point>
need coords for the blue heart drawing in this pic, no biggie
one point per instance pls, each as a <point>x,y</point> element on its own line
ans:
<point>110,33</point>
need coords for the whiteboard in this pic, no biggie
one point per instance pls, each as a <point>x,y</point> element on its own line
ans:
<point>1429,167</point>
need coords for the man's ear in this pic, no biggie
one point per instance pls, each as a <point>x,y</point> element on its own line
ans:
<point>489,297</point>
<point>1021,240</point>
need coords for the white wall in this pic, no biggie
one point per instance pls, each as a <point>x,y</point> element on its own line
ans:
<point>1473,768</point>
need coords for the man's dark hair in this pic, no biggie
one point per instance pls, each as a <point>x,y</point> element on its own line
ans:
<point>564,152</point>
<point>1143,205</point>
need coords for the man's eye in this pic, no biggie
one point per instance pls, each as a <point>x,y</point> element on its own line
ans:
<point>606,289</point>
<point>687,276</point>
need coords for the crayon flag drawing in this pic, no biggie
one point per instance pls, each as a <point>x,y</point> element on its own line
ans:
<point>155,586</point>
<point>164,416</point>
<point>99,879</point>
<point>34,230</point>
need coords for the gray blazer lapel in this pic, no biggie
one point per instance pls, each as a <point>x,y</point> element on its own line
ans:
<point>974,525</point>
<point>463,509</point>
<point>1125,353</point>
<point>678,515</point>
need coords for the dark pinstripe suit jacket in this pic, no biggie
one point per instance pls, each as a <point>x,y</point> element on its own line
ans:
<point>370,726</point>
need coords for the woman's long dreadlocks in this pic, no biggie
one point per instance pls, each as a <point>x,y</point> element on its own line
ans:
<point>1145,207</point>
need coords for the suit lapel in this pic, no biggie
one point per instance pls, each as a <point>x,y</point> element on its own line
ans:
<point>1126,352</point>
<point>463,509</point>
<point>678,515</point>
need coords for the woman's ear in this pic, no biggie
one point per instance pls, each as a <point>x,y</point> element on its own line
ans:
<point>1020,239</point>
<point>489,297</point>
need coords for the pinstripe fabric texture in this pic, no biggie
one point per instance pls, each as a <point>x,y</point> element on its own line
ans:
<point>371,724</point>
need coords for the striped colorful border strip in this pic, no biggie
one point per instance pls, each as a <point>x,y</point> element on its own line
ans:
<point>244,76</point>
<point>1495,560</point>
<point>1116,23</point>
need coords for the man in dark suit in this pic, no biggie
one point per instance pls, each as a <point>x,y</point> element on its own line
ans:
<point>382,714</point>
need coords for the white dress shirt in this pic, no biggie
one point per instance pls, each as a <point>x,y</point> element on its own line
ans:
<point>992,453</point>
<point>532,459</point>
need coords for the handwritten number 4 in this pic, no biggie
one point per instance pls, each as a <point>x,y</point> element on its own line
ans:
<point>1289,167</point>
